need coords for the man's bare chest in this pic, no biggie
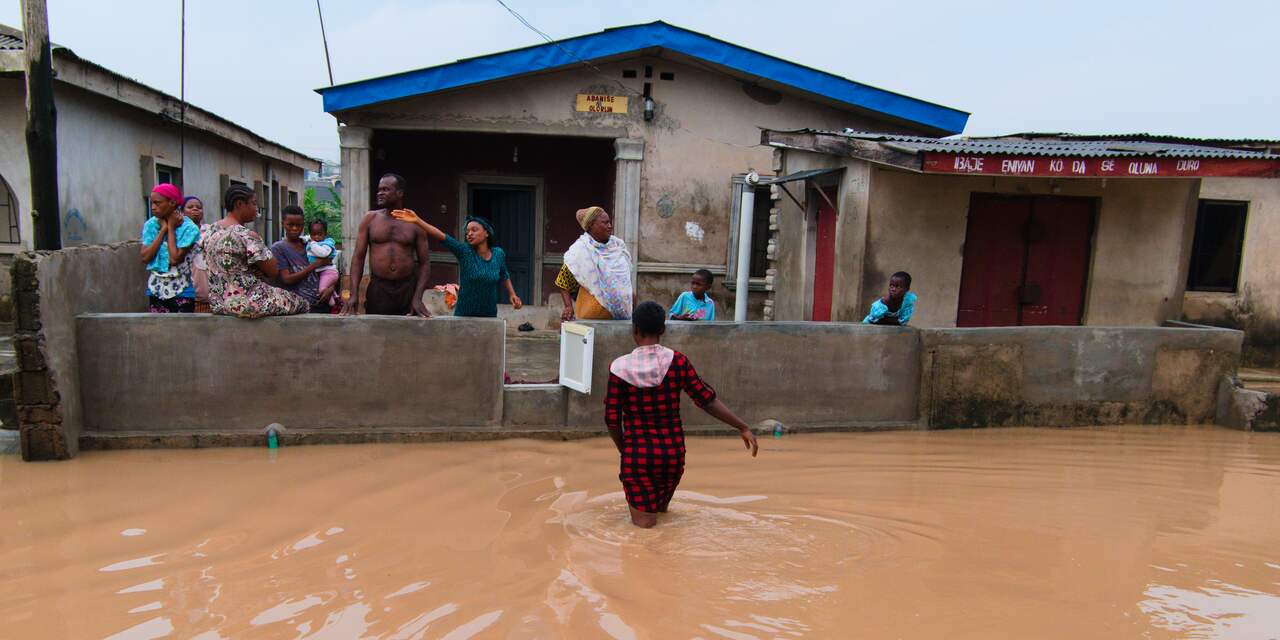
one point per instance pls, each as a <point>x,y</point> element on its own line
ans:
<point>384,230</point>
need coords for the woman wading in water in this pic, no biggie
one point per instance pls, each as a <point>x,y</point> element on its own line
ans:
<point>642,411</point>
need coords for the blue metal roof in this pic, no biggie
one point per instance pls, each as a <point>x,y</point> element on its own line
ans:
<point>622,40</point>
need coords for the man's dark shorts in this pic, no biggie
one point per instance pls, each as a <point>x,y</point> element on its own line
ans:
<point>389,297</point>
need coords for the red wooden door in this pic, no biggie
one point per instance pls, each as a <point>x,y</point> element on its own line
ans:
<point>1057,261</point>
<point>1026,261</point>
<point>824,261</point>
<point>994,254</point>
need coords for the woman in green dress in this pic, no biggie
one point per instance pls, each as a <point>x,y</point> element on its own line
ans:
<point>481,268</point>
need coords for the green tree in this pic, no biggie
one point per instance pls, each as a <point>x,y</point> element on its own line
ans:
<point>329,211</point>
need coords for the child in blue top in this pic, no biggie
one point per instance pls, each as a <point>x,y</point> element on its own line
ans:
<point>896,308</point>
<point>695,304</point>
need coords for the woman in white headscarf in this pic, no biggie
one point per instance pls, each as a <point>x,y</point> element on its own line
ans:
<point>598,269</point>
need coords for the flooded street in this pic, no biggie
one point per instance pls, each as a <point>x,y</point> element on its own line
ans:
<point>1137,532</point>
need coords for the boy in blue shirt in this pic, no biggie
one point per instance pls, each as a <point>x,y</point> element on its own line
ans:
<point>896,308</point>
<point>695,304</point>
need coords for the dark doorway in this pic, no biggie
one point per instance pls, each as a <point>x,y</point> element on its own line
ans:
<point>512,210</point>
<point>1026,261</point>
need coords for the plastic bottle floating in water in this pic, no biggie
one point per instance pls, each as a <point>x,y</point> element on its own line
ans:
<point>771,426</point>
<point>273,431</point>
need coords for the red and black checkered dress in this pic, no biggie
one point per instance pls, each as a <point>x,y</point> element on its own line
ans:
<point>653,435</point>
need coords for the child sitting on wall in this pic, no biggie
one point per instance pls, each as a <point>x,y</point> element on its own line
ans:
<point>695,304</point>
<point>894,309</point>
<point>319,246</point>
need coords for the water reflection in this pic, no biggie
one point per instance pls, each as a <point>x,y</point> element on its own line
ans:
<point>1214,610</point>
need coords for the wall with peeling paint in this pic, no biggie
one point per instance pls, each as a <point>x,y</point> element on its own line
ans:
<point>917,223</point>
<point>1255,306</point>
<point>705,130</point>
<point>101,145</point>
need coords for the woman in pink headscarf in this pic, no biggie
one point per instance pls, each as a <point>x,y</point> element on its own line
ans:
<point>167,238</point>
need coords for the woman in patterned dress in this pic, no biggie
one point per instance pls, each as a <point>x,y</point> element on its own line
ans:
<point>482,267</point>
<point>241,265</point>
<point>642,411</point>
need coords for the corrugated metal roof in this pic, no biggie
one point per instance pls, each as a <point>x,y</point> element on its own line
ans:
<point>1146,137</point>
<point>1062,148</point>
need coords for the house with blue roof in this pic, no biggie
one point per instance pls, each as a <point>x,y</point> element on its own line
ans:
<point>657,124</point>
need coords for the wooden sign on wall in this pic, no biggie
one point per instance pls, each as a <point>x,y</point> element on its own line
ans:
<point>600,103</point>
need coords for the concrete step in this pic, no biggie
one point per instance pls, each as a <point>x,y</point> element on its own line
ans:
<point>533,357</point>
<point>9,443</point>
<point>533,405</point>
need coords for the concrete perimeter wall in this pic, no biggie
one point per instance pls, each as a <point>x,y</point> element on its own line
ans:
<point>51,289</point>
<point>92,365</point>
<point>1066,376</point>
<point>313,372</point>
<point>802,374</point>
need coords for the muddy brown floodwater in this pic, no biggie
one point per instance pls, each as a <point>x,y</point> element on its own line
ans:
<point>1136,532</point>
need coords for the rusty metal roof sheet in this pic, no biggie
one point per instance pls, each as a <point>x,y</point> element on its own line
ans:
<point>1146,137</point>
<point>10,39</point>
<point>1013,145</point>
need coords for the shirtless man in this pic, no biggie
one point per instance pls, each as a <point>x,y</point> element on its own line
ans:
<point>397,277</point>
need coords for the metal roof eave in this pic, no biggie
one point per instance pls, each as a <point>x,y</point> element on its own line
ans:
<point>628,39</point>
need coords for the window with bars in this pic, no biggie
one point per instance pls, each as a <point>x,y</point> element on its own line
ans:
<point>1218,246</point>
<point>9,230</point>
<point>759,230</point>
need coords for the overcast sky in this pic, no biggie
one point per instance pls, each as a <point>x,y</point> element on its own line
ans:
<point>1200,68</point>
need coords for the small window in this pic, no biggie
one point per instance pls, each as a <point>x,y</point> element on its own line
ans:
<point>1218,246</point>
<point>628,73</point>
<point>171,175</point>
<point>293,197</point>
<point>667,75</point>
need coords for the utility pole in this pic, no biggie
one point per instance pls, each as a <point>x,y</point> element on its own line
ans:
<point>42,126</point>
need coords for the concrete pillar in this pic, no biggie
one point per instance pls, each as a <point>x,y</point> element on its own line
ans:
<point>628,155</point>
<point>355,183</point>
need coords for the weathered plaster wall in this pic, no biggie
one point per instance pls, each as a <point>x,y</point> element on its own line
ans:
<point>1255,307</point>
<point>917,223</point>
<point>1067,376</point>
<point>51,289</point>
<point>271,370</point>
<point>705,130</point>
<point>101,144</point>
<point>803,374</point>
<point>1141,251</point>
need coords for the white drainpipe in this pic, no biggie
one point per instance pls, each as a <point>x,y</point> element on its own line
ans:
<point>746,216</point>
